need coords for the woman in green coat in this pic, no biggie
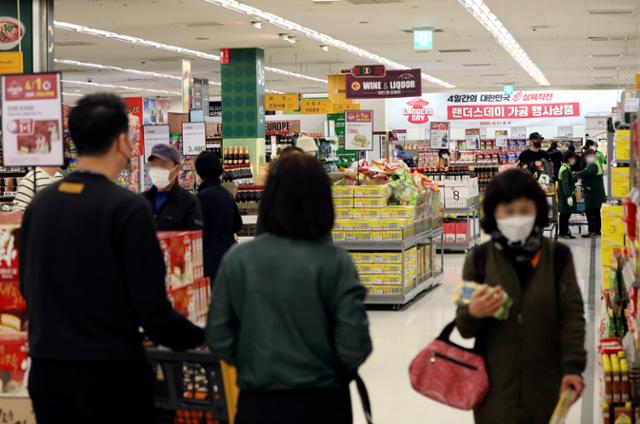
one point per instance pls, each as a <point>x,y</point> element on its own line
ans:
<point>566,193</point>
<point>538,351</point>
<point>594,195</point>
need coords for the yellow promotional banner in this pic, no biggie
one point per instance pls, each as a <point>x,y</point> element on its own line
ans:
<point>11,63</point>
<point>638,81</point>
<point>340,108</point>
<point>281,102</point>
<point>316,106</point>
<point>623,144</point>
<point>337,89</point>
<point>620,180</point>
<point>612,237</point>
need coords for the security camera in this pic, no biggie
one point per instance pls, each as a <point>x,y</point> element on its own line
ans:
<point>89,79</point>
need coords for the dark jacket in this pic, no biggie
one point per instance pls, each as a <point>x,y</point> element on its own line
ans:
<point>289,324</point>
<point>566,190</point>
<point>555,157</point>
<point>92,274</point>
<point>593,184</point>
<point>180,212</point>
<point>541,341</point>
<point>221,221</point>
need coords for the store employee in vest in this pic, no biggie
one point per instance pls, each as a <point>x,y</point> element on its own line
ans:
<point>174,208</point>
<point>594,194</point>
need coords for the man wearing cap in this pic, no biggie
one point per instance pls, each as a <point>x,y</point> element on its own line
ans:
<point>528,158</point>
<point>174,208</point>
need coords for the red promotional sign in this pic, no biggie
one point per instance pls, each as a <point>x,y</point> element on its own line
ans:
<point>136,122</point>
<point>417,111</point>
<point>225,56</point>
<point>403,83</point>
<point>513,111</point>
<point>32,87</point>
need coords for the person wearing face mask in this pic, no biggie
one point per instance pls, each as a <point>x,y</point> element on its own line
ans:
<point>175,209</point>
<point>594,195</point>
<point>538,350</point>
<point>92,274</point>
<point>528,158</point>
<point>593,145</point>
<point>566,194</point>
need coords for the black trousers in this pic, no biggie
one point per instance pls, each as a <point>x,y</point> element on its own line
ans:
<point>96,392</point>
<point>594,220</point>
<point>301,406</point>
<point>564,223</point>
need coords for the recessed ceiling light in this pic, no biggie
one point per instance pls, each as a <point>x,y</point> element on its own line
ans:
<point>324,48</point>
<point>257,24</point>
<point>363,22</point>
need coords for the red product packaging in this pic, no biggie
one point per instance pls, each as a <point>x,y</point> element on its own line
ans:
<point>9,252</point>
<point>461,232</point>
<point>192,300</point>
<point>13,351</point>
<point>182,256</point>
<point>450,232</point>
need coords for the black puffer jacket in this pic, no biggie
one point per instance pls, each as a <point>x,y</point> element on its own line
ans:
<point>180,212</point>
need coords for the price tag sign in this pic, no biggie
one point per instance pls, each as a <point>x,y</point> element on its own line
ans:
<point>194,138</point>
<point>32,120</point>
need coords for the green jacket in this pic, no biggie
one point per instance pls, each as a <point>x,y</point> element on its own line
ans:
<point>601,159</point>
<point>566,189</point>
<point>541,341</point>
<point>289,314</point>
<point>593,184</point>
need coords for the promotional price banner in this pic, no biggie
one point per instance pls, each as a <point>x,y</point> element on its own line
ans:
<point>472,138</point>
<point>358,130</point>
<point>193,138</point>
<point>440,135</point>
<point>32,120</point>
<point>155,134</point>
<point>502,138</point>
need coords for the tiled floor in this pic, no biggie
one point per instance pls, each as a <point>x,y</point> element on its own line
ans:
<point>399,335</point>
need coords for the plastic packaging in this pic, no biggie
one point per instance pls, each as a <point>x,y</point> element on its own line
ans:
<point>467,290</point>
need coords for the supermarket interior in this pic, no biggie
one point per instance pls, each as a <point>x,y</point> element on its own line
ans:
<point>423,114</point>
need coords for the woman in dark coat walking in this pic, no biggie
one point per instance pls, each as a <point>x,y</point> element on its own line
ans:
<point>538,351</point>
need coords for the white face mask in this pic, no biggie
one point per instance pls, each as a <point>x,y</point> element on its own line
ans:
<point>516,228</point>
<point>591,159</point>
<point>160,177</point>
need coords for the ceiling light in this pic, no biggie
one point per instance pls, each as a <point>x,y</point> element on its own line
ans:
<point>481,12</point>
<point>182,51</point>
<point>325,48</point>
<point>327,40</point>
<point>122,87</point>
<point>257,24</point>
<point>72,94</point>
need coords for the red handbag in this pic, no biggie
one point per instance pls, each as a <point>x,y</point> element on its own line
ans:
<point>450,374</point>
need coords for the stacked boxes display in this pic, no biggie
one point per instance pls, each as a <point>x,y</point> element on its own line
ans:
<point>381,272</point>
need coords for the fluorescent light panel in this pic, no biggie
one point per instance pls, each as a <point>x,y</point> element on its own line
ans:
<point>481,12</point>
<point>161,46</point>
<point>121,87</point>
<point>317,36</point>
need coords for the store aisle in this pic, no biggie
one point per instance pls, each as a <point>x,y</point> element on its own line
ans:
<point>398,336</point>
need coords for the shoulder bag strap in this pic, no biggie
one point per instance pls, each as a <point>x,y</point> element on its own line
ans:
<point>35,181</point>
<point>364,398</point>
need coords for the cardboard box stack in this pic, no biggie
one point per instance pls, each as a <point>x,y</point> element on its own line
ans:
<point>382,272</point>
<point>188,290</point>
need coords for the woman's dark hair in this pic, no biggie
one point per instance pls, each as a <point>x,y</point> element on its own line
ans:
<point>553,146</point>
<point>400,147</point>
<point>208,166</point>
<point>512,185</point>
<point>568,155</point>
<point>96,121</point>
<point>297,200</point>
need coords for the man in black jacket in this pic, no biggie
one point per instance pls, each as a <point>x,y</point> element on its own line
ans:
<point>175,209</point>
<point>93,274</point>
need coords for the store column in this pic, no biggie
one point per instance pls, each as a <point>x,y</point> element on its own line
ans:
<point>243,122</point>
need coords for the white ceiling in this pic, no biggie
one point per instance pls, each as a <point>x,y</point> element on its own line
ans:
<point>559,45</point>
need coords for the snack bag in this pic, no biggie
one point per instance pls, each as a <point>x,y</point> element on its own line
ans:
<point>467,290</point>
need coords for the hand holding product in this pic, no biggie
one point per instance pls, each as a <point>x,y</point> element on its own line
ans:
<point>573,383</point>
<point>484,301</point>
<point>567,398</point>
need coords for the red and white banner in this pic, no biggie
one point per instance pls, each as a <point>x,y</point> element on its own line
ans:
<point>513,111</point>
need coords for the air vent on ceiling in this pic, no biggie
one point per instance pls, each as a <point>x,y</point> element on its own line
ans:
<point>610,12</point>
<point>605,55</point>
<point>200,24</point>
<point>615,38</point>
<point>475,65</point>
<point>435,30</point>
<point>325,1</point>
<point>602,78</point>
<point>72,44</point>
<point>141,79</point>
<point>374,1</point>
<point>455,51</point>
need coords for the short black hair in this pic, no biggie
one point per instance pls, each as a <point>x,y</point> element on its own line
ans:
<point>96,121</point>
<point>568,155</point>
<point>400,147</point>
<point>553,145</point>
<point>590,142</point>
<point>588,152</point>
<point>512,185</point>
<point>297,201</point>
<point>208,166</point>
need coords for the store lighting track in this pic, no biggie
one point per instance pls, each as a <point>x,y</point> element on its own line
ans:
<point>161,46</point>
<point>121,87</point>
<point>323,39</point>
<point>481,12</point>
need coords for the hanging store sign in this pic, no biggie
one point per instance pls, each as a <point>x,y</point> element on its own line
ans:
<point>316,107</point>
<point>472,138</point>
<point>565,131</point>
<point>32,120</point>
<point>282,127</point>
<point>155,134</point>
<point>440,135</point>
<point>358,130</point>
<point>631,104</point>
<point>193,138</point>
<point>281,102</point>
<point>343,107</point>
<point>399,83</point>
<point>417,111</point>
<point>225,56</point>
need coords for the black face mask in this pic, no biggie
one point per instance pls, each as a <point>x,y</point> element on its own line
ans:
<point>537,144</point>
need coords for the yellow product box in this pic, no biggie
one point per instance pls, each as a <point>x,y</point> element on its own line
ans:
<point>381,279</point>
<point>342,191</point>
<point>342,213</point>
<point>384,290</point>
<point>371,191</point>
<point>398,212</point>
<point>342,202</point>
<point>338,235</point>
<point>352,224</point>
<point>379,268</point>
<point>390,224</point>
<point>358,236</point>
<point>369,202</point>
<point>376,257</point>
<point>395,235</point>
<point>365,213</point>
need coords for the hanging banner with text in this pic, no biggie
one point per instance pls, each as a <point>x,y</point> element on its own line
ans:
<point>358,130</point>
<point>155,134</point>
<point>282,127</point>
<point>472,138</point>
<point>440,135</point>
<point>194,138</point>
<point>402,83</point>
<point>281,102</point>
<point>32,120</point>
<point>316,107</point>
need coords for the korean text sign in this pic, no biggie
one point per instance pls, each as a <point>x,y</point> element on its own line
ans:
<point>32,120</point>
<point>358,129</point>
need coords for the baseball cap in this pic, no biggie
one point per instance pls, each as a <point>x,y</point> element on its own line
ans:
<point>535,136</point>
<point>165,152</point>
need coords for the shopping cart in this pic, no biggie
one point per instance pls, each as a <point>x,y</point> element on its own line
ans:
<point>553,227</point>
<point>190,387</point>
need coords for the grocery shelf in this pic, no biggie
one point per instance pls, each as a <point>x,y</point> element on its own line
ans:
<point>460,247</point>
<point>391,245</point>
<point>407,297</point>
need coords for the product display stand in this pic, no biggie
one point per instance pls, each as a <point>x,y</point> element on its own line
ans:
<point>461,227</point>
